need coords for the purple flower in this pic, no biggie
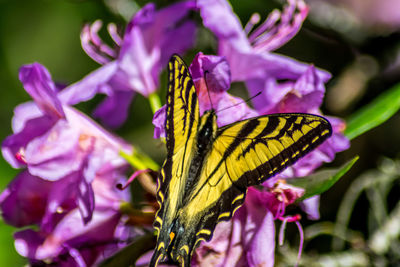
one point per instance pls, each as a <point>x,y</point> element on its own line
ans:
<point>285,85</point>
<point>212,79</point>
<point>302,95</point>
<point>150,39</point>
<point>58,144</point>
<point>249,238</point>
<point>249,56</point>
<point>212,85</point>
<point>71,242</point>
<point>23,202</point>
<point>159,122</point>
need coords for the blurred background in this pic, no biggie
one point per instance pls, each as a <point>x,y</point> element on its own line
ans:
<point>358,42</point>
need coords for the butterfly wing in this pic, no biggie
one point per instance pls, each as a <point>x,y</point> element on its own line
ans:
<point>243,154</point>
<point>181,129</point>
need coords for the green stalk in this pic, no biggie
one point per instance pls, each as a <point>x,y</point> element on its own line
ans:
<point>155,102</point>
<point>139,161</point>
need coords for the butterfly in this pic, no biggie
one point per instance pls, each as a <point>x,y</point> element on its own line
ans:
<point>208,169</point>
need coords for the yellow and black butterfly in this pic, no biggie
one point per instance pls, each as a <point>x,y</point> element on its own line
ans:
<point>205,177</point>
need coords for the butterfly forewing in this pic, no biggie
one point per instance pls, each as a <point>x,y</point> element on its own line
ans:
<point>182,116</point>
<point>247,153</point>
<point>264,146</point>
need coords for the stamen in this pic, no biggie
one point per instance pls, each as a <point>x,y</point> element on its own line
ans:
<point>282,232</point>
<point>296,218</point>
<point>94,46</point>
<point>130,180</point>
<point>77,256</point>
<point>254,19</point>
<point>301,232</point>
<point>94,35</point>
<point>289,11</point>
<point>89,48</point>
<point>94,29</point>
<point>267,36</point>
<point>113,31</point>
<point>283,30</point>
<point>281,210</point>
<point>269,22</point>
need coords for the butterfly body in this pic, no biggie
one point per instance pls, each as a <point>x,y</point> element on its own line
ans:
<point>205,177</point>
<point>205,137</point>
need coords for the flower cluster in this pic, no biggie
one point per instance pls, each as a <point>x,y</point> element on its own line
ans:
<point>71,165</point>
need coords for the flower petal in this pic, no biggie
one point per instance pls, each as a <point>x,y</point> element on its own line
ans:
<point>26,243</point>
<point>214,69</point>
<point>311,207</point>
<point>24,201</point>
<point>177,41</point>
<point>138,63</point>
<point>56,153</point>
<point>94,83</point>
<point>13,146</point>
<point>85,200</point>
<point>231,109</point>
<point>169,28</point>
<point>23,113</point>
<point>38,83</point>
<point>61,199</point>
<point>218,16</point>
<point>262,248</point>
<point>113,111</point>
<point>159,122</point>
<point>304,95</point>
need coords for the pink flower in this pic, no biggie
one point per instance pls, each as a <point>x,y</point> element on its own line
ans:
<point>59,144</point>
<point>150,39</point>
<point>71,242</point>
<point>249,238</point>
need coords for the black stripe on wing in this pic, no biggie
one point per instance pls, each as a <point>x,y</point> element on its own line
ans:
<point>234,197</point>
<point>288,155</point>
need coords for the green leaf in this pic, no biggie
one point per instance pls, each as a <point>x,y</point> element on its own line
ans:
<point>374,114</point>
<point>321,181</point>
<point>128,255</point>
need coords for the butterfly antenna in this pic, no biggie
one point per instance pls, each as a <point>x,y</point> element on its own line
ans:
<point>208,91</point>
<point>242,102</point>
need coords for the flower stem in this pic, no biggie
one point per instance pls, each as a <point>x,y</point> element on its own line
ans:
<point>136,216</point>
<point>155,102</point>
<point>139,160</point>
